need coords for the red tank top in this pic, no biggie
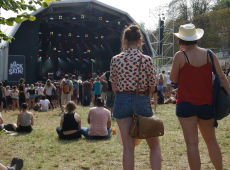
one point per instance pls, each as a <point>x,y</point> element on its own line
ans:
<point>195,84</point>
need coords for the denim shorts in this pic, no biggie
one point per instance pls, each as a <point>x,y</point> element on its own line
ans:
<point>124,106</point>
<point>32,97</point>
<point>186,110</point>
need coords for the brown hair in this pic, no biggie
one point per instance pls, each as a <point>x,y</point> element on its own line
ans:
<point>70,107</point>
<point>92,79</point>
<point>98,79</point>
<point>1,83</point>
<point>40,84</point>
<point>132,34</point>
<point>73,77</point>
<point>21,80</point>
<point>48,83</point>
<point>7,87</point>
<point>24,105</point>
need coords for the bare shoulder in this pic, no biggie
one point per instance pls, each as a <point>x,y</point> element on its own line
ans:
<point>179,55</point>
<point>77,116</point>
<point>30,113</point>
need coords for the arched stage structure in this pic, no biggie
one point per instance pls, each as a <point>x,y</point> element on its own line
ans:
<point>77,34</point>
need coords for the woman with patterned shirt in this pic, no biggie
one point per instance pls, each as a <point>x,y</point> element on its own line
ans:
<point>124,73</point>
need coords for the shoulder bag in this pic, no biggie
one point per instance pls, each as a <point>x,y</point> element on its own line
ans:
<point>145,127</point>
<point>221,99</point>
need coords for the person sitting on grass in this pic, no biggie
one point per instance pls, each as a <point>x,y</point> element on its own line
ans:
<point>70,124</point>
<point>44,105</point>
<point>25,120</point>
<point>99,119</point>
<point>16,164</point>
<point>1,122</point>
<point>160,98</point>
<point>173,97</point>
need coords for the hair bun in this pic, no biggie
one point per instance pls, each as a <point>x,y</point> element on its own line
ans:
<point>134,28</point>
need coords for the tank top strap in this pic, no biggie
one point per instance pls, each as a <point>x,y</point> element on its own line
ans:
<point>186,57</point>
<point>207,58</point>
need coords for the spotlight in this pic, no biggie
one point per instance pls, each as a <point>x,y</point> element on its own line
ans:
<point>67,51</point>
<point>47,56</point>
<point>69,34</point>
<point>56,40</point>
<point>71,50</point>
<point>102,36</point>
<point>80,58</point>
<point>85,52</point>
<point>59,35</point>
<point>118,23</point>
<point>100,18</point>
<point>99,43</point>
<point>78,36</point>
<point>59,51</point>
<point>39,33</point>
<point>66,41</point>
<point>82,42</point>
<point>38,55</point>
<point>95,58</point>
<point>91,43</point>
<point>87,58</point>
<point>54,48</point>
<point>74,18</point>
<point>55,56</point>
<point>82,17</point>
<point>73,41</point>
<point>88,51</point>
<point>126,26</point>
<point>47,39</point>
<point>60,16</point>
<point>40,49</point>
<point>107,21</point>
<point>51,18</point>
<point>51,33</point>
<point>72,57</point>
<point>96,37</point>
<point>86,35</point>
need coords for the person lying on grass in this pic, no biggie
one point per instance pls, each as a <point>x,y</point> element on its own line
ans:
<point>16,164</point>
<point>99,119</point>
<point>70,124</point>
<point>1,122</point>
<point>25,120</point>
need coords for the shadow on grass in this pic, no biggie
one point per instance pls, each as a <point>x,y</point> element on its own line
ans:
<point>65,141</point>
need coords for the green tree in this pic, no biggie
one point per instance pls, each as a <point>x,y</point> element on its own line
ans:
<point>17,6</point>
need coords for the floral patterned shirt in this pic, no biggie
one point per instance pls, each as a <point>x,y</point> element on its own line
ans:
<point>124,70</point>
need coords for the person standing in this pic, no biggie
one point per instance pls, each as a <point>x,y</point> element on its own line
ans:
<point>97,89</point>
<point>169,85</point>
<point>165,84</point>
<point>49,87</point>
<point>92,91</point>
<point>104,90</point>
<point>58,74</point>
<point>124,74</point>
<point>80,92</point>
<point>75,89</point>
<point>31,92</point>
<point>110,93</point>
<point>86,89</point>
<point>40,90</point>
<point>2,97</point>
<point>192,68</point>
<point>67,91</point>
<point>14,95</point>
<point>22,92</point>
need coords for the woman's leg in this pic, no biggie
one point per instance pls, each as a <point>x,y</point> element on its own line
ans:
<point>128,143</point>
<point>29,105</point>
<point>2,167</point>
<point>189,127</point>
<point>17,102</point>
<point>14,126</point>
<point>155,101</point>
<point>33,103</point>
<point>208,132</point>
<point>155,152</point>
<point>50,99</point>
<point>14,105</point>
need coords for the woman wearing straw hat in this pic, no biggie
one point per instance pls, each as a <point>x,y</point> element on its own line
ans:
<point>192,68</point>
<point>124,74</point>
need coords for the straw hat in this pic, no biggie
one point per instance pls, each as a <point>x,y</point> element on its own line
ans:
<point>119,139</point>
<point>188,32</point>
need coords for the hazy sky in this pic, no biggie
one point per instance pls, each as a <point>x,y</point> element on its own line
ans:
<point>138,9</point>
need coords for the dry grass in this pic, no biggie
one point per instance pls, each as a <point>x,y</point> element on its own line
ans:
<point>42,150</point>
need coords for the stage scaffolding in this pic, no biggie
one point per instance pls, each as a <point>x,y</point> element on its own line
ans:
<point>162,19</point>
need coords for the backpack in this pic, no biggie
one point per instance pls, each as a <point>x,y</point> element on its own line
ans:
<point>75,85</point>
<point>1,92</point>
<point>66,88</point>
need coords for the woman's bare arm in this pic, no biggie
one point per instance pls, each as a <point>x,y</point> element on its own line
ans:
<point>113,87</point>
<point>175,72</point>
<point>61,122</point>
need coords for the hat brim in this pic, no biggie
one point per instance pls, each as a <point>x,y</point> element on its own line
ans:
<point>199,35</point>
<point>119,139</point>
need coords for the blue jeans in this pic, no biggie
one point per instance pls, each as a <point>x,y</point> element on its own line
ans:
<point>85,131</point>
<point>88,97</point>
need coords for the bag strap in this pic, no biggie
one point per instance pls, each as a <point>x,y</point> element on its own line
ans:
<point>137,91</point>
<point>215,86</point>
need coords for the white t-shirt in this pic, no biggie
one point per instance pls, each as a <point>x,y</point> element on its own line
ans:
<point>49,89</point>
<point>40,91</point>
<point>168,80</point>
<point>165,80</point>
<point>27,93</point>
<point>7,92</point>
<point>45,105</point>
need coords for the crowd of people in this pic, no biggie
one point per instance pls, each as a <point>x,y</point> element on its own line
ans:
<point>192,68</point>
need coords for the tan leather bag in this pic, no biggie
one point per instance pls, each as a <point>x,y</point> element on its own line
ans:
<point>145,127</point>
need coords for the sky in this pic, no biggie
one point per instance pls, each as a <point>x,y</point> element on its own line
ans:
<point>138,10</point>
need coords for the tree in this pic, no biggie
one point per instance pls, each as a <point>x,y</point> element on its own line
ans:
<point>17,6</point>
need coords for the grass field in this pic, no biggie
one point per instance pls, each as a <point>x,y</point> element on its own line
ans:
<point>43,150</point>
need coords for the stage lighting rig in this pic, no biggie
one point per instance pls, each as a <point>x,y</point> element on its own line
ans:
<point>82,17</point>
<point>100,18</point>
<point>60,16</point>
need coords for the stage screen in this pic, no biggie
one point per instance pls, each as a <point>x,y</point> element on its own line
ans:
<point>16,68</point>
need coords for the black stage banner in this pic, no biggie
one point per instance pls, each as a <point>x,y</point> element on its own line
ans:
<point>16,68</point>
